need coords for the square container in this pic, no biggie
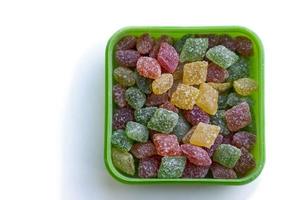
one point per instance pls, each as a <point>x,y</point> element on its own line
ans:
<point>256,72</point>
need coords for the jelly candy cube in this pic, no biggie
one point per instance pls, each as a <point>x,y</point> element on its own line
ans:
<point>219,120</point>
<point>127,42</point>
<point>180,43</point>
<point>164,38</point>
<point>171,167</point>
<point>221,172</point>
<point>238,70</point>
<point>166,145</point>
<point>181,128</point>
<point>221,87</point>
<point>227,41</point>
<point>156,100</point>
<point>243,139</point>
<point>196,155</point>
<point>238,117</point>
<point>167,57</point>
<point>124,76</point>
<point>123,161</point>
<point>119,95</point>
<point>196,115</point>
<point>163,121</point>
<point>136,131</point>
<point>144,43</point>
<point>216,74</point>
<point>221,56</point>
<point>243,46</point>
<point>135,98</point>
<point>207,99</point>
<point>194,49</point>
<point>227,155</point>
<point>148,67</point>
<point>204,135</point>
<point>143,115</point>
<point>143,150</point>
<point>244,86</point>
<point>185,97</point>
<point>148,167</point>
<point>186,138</point>
<point>127,58</point>
<point>212,149</point>
<point>213,39</point>
<point>121,117</point>
<point>245,163</point>
<point>120,140</point>
<point>168,106</point>
<point>162,84</point>
<point>194,171</point>
<point>144,84</point>
<point>222,101</point>
<point>234,99</point>
<point>195,73</point>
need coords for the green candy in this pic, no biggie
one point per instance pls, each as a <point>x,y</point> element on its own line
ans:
<point>227,155</point>
<point>181,128</point>
<point>171,167</point>
<point>143,115</point>
<point>137,132</point>
<point>123,161</point>
<point>222,56</point>
<point>144,84</point>
<point>238,70</point>
<point>163,121</point>
<point>194,49</point>
<point>219,120</point>
<point>135,98</point>
<point>121,141</point>
<point>124,76</point>
<point>180,43</point>
<point>234,99</point>
<point>222,101</point>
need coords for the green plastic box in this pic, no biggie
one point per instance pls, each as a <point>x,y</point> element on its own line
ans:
<point>256,72</point>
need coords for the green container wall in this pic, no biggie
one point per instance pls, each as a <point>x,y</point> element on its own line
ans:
<point>256,72</point>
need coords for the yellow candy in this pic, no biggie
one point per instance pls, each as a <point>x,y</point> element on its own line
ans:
<point>185,97</point>
<point>195,73</point>
<point>221,87</point>
<point>207,99</point>
<point>162,84</point>
<point>245,86</point>
<point>204,135</point>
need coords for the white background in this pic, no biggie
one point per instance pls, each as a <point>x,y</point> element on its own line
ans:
<point>52,95</point>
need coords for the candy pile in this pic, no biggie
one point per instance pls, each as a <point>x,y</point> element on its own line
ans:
<point>183,109</point>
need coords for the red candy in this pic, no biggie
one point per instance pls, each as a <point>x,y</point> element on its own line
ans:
<point>166,145</point>
<point>148,167</point>
<point>228,42</point>
<point>168,57</point>
<point>238,117</point>
<point>156,100</point>
<point>148,67</point>
<point>144,44</point>
<point>127,58</point>
<point>218,171</point>
<point>121,117</point>
<point>127,42</point>
<point>194,171</point>
<point>243,46</point>
<point>167,105</point>
<point>216,73</point>
<point>143,150</point>
<point>119,95</point>
<point>217,142</point>
<point>243,139</point>
<point>196,115</point>
<point>154,51</point>
<point>245,163</point>
<point>196,155</point>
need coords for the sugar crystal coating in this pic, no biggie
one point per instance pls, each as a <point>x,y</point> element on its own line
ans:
<point>148,167</point>
<point>238,117</point>
<point>120,140</point>
<point>211,150</point>
<point>195,73</point>
<point>143,150</point>
<point>216,74</point>
<point>167,57</point>
<point>207,99</point>
<point>243,46</point>
<point>180,43</point>
<point>196,155</point>
<point>127,58</point>
<point>143,115</point>
<point>136,131</point>
<point>124,76</point>
<point>135,98</point>
<point>186,138</point>
<point>123,161</point>
<point>219,120</point>
<point>196,115</point>
<point>213,39</point>
<point>178,73</point>
<point>162,84</point>
<point>222,56</point>
<point>119,95</point>
<point>121,117</point>
<point>245,163</point>
<point>227,155</point>
<point>204,135</point>
<point>185,97</point>
<point>168,106</point>
<point>144,43</point>
<point>194,171</point>
<point>194,49</point>
<point>245,86</point>
<point>181,128</point>
<point>221,87</point>
<point>156,100</point>
<point>222,101</point>
<point>148,67</point>
<point>155,49</point>
<point>227,41</point>
<point>166,145</point>
<point>127,42</point>
<point>238,70</point>
<point>243,139</point>
<point>144,84</point>
<point>221,172</point>
<point>234,99</point>
<point>171,167</point>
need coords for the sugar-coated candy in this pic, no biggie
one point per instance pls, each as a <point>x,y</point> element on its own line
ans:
<point>216,74</point>
<point>194,171</point>
<point>238,117</point>
<point>227,155</point>
<point>196,155</point>
<point>186,138</point>
<point>156,100</point>
<point>221,172</point>
<point>243,139</point>
<point>163,121</point>
<point>238,70</point>
<point>173,88</point>
<point>171,167</point>
<point>245,86</point>
<point>162,84</point>
<point>143,115</point>
<point>119,95</point>
<point>155,49</point>
<point>144,84</point>
<point>227,41</point>
<point>127,58</point>
<point>121,117</point>
<point>143,150</point>
<point>221,87</point>
<point>222,101</point>
<point>185,97</point>
<point>194,49</point>
<point>227,139</point>
<point>148,167</point>
<point>137,132</point>
<point>222,56</point>
<point>213,39</point>
<point>196,115</point>
<point>120,140</point>
<point>167,57</point>
<point>195,73</point>
<point>245,163</point>
<point>204,135</point>
<point>181,128</point>
<point>178,73</point>
<point>180,43</point>
<point>207,99</point>
<point>144,43</point>
<point>234,99</point>
<point>243,46</point>
<point>166,145</point>
<point>124,76</point>
<point>167,105</point>
<point>219,120</point>
<point>211,150</point>
<point>135,98</point>
<point>127,42</point>
<point>148,67</point>
<point>123,161</point>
